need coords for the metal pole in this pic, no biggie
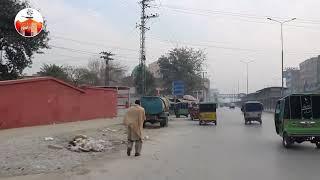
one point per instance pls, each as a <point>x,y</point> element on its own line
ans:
<point>247,78</point>
<point>282,57</point>
<point>0,55</point>
<point>282,53</point>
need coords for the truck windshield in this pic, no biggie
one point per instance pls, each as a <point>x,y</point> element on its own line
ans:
<point>251,107</point>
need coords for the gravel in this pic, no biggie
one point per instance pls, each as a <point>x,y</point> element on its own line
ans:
<point>25,155</point>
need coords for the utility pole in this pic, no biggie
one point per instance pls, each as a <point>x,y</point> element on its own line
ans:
<point>107,57</point>
<point>282,53</point>
<point>0,55</point>
<point>142,26</point>
<point>247,65</point>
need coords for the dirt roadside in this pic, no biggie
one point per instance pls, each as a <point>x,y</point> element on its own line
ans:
<point>25,151</point>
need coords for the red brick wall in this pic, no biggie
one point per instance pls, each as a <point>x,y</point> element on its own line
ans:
<point>41,101</point>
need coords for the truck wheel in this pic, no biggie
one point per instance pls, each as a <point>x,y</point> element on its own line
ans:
<point>286,141</point>
<point>162,123</point>
<point>167,120</point>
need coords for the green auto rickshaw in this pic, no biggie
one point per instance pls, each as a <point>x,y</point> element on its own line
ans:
<point>297,119</point>
<point>181,109</point>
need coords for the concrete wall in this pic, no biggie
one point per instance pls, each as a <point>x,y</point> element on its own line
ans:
<point>41,101</point>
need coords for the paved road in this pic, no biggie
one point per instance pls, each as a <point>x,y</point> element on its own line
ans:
<point>230,151</point>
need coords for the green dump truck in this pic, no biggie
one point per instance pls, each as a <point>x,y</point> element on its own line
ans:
<point>156,109</point>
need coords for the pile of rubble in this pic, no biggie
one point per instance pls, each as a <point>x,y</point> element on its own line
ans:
<point>82,143</point>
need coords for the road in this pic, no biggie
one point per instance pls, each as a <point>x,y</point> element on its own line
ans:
<point>188,151</point>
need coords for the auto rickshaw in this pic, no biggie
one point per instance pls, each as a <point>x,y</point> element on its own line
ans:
<point>207,113</point>
<point>171,108</point>
<point>181,108</point>
<point>194,111</point>
<point>252,111</point>
<point>297,119</point>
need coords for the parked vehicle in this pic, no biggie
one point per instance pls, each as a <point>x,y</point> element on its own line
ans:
<point>207,113</point>
<point>156,109</point>
<point>171,108</point>
<point>252,111</point>
<point>297,119</point>
<point>194,111</point>
<point>181,108</point>
<point>232,106</point>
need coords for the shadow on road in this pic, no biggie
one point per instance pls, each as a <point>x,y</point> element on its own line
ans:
<point>152,126</point>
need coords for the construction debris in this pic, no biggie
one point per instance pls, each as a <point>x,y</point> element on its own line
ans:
<point>51,146</point>
<point>82,143</point>
<point>48,139</point>
<point>108,129</point>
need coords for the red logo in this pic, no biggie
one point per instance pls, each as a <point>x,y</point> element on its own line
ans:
<point>28,22</point>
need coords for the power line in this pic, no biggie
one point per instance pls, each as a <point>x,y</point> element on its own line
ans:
<point>245,15</point>
<point>93,43</point>
<point>227,48</point>
<point>74,50</point>
<point>238,16</point>
<point>80,51</point>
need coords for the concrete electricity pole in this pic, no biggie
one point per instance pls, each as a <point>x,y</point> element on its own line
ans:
<point>282,54</point>
<point>247,65</point>
<point>142,26</point>
<point>107,57</point>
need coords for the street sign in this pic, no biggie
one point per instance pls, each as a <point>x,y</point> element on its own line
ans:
<point>178,88</point>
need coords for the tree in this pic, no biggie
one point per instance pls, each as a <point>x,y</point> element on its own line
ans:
<point>16,50</point>
<point>55,71</point>
<point>117,71</point>
<point>81,76</point>
<point>182,64</point>
<point>150,81</point>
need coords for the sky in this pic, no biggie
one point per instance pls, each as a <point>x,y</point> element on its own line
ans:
<point>228,31</point>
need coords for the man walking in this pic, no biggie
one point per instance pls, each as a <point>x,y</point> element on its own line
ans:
<point>134,120</point>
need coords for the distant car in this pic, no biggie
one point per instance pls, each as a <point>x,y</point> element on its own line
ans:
<point>232,106</point>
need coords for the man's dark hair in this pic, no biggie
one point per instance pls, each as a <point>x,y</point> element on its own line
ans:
<point>137,102</point>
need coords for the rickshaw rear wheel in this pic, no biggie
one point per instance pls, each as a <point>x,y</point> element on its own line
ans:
<point>286,141</point>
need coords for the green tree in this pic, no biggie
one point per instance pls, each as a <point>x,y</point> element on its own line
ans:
<point>55,71</point>
<point>81,76</point>
<point>16,50</point>
<point>182,64</point>
<point>150,81</point>
<point>98,67</point>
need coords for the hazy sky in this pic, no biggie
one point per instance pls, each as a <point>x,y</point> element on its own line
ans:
<point>227,30</point>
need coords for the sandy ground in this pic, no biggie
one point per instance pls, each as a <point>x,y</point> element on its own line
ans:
<point>25,151</point>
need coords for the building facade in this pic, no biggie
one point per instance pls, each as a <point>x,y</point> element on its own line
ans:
<point>309,74</point>
<point>292,77</point>
<point>267,96</point>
